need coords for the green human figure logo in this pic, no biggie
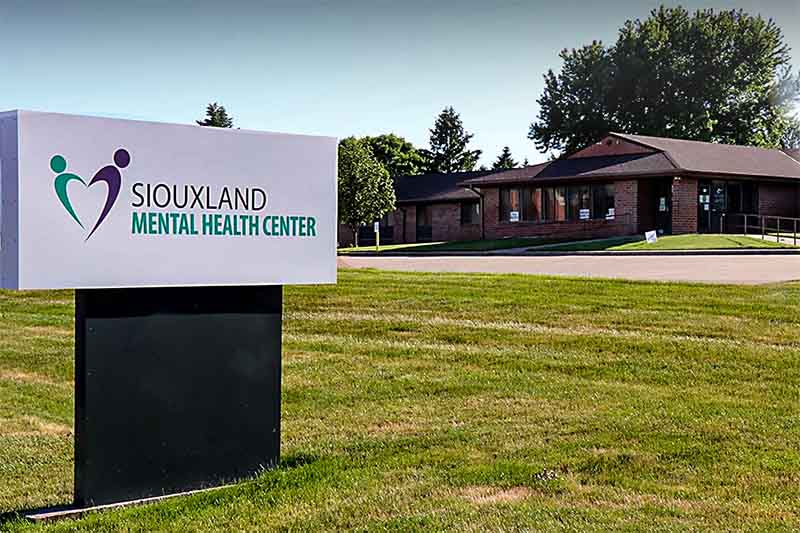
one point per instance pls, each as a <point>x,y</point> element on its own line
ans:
<point>58,165</point>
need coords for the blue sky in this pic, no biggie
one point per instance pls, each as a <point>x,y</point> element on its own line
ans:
<point>332,68</point>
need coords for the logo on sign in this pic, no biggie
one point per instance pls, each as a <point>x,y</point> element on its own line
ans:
<point>109,174</point>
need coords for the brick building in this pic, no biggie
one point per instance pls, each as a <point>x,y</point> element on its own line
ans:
<point>627,184</point>
<point>430,208</point>
<point>621,185</point>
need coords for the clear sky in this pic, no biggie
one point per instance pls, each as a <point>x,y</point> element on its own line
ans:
<point>332,68</point>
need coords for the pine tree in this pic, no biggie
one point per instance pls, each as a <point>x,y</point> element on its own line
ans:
<point>216,117</point>
<point>504,160</point>
<point>449,140</point>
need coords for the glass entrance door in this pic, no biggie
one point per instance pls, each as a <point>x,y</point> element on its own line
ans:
<point>703,207</point>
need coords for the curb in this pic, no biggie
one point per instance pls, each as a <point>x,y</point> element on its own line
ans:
<point>555,253</point>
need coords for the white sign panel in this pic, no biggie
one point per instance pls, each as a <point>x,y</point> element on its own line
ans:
<point>584,214</point>
<point>93,203</point>
<point>651,237</point>
<point>513,216</point>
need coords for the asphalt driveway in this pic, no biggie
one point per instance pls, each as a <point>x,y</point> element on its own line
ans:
<point>745,269</point>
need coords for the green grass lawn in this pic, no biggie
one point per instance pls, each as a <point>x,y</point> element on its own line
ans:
<point>471,402</point>
<point>670,242</point>
<point>457,246</point>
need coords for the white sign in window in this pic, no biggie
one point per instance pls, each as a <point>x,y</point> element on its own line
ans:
<point>513,216</point>
<point>584,214</point>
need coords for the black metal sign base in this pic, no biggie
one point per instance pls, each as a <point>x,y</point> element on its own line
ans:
<point>175,389</point>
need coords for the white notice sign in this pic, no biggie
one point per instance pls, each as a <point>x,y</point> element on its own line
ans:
<point>513,216</point>
<point>651,237</point>
<point>584,214</point>
<point>93,202</point>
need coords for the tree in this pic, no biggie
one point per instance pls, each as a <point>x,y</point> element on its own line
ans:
<point>399,156</point>
<point>449,140</point>
<point>216,117</point>
<point>366,191</point>
<point>709,76</point>
<point>791,137</point>
<point>504,160</point>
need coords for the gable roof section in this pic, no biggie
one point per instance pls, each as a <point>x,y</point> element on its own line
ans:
<point>611,145</point>
<point>715,158</point>
<point>594,167</point>
<point>429,188</point>
<point>794,154</point>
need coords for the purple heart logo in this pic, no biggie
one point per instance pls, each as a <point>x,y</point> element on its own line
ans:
<point>109,174</point>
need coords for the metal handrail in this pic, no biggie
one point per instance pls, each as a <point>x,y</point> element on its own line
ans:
<point>764,225</point>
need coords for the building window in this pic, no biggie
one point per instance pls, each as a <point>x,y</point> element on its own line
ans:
<point>470,213</point>
<point>423,216</point>
<point>603,201</point>
<point>579,202</point>
<point>557,204</point>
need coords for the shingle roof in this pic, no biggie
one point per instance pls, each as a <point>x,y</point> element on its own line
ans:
<point>507,176</point>
<point>715,158</point>
<point>435,187</point>
<point>671,157</point>
<point>586,167</point>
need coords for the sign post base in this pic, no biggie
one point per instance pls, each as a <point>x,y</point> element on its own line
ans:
<point>176,389</point>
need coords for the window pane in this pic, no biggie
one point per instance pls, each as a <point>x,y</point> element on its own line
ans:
<point>510,200</point>
<point>423,215</point>
<point>537,204</point>
<point>470,213</point>
<point>529,211</point>
<point>560,205</point>
<point>547,204</point>
<point>504,204</point>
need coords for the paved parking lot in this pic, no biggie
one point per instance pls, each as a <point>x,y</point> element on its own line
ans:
<point>745,269</point>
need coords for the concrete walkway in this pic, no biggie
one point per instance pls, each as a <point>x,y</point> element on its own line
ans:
<point>745,269</point>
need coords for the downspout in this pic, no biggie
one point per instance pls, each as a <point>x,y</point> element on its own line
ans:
<point>483,211</point>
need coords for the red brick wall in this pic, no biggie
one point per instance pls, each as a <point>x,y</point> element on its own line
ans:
<point>684,205</point>
<point>777,199</point>
<point>625,201</point>
<point>446,222</point>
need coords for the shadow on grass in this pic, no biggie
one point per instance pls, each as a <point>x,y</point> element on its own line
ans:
<point>286,465</point>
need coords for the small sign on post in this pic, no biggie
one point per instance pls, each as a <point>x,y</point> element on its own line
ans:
<point>377,228</point>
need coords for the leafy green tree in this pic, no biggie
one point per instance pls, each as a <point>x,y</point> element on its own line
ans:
<point>366,191</point>
<point>449,140</point>
<point>709,76</point>
<point>399,156</point>
<point>504,160</point>
<point>791,137</point>
<point>216,117</point>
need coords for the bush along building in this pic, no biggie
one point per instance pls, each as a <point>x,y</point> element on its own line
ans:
<point>621,185</point>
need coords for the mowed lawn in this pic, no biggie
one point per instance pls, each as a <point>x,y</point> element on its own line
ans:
<point>472,402</point>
